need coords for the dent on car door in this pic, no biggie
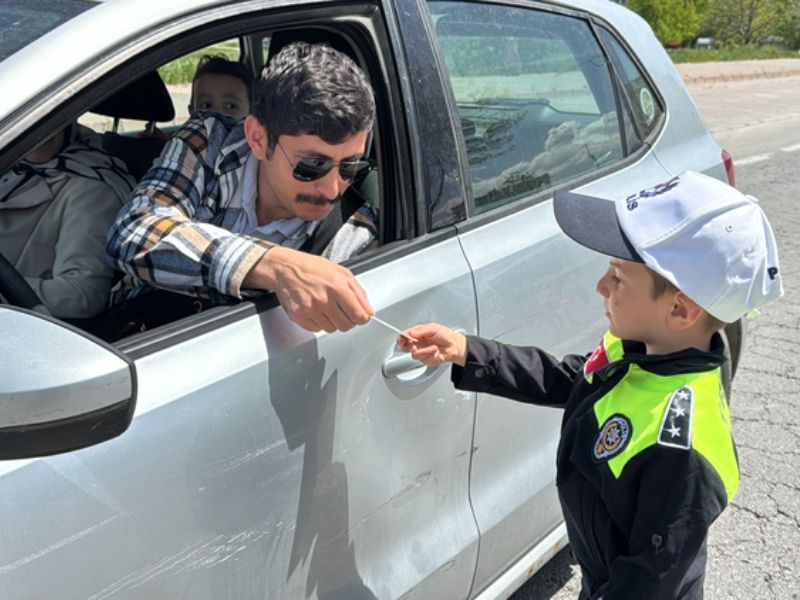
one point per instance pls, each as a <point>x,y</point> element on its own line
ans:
<point>539,109</point>
<point>265,461</point>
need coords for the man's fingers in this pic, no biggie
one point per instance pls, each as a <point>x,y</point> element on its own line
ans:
<point>361,297</point>
<point>338,317</point>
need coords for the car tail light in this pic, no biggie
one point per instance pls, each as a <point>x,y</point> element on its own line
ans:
<point>727,160</point>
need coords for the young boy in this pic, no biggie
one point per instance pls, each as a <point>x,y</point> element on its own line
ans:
<point>219,85</point>
<point>223,86</point>
<point>646,460</point>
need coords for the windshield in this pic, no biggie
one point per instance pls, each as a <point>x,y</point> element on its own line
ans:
<point>23,21</point>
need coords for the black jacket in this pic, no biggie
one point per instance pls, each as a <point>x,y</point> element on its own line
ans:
<point>646,461</point>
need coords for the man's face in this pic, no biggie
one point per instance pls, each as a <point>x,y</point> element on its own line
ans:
<point>283,196</point>
<point>631,311</point>
<point>224,94</point>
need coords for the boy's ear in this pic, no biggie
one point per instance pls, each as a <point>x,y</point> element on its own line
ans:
<point>684,313</point>
<point>257,137</point>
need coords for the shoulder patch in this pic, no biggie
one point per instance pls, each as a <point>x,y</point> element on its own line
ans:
<point>613,438</point>
<point>676,425</point>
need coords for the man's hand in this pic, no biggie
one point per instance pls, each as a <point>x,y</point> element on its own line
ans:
<point>435,344</point>
<point>315,292</point>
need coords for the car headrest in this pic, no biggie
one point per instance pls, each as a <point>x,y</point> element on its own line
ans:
<point>279,39</point>
<point>145,99</point>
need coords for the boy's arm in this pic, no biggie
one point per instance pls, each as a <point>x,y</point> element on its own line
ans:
<point>522,373</point>
<point>680,496</point>
<point>526,374</point>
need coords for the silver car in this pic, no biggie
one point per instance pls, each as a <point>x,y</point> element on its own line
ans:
<point>230,454</point>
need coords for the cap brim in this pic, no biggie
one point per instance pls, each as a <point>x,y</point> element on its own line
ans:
<point>592,222</point>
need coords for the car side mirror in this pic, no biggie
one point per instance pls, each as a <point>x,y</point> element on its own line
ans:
<point>60,389</point>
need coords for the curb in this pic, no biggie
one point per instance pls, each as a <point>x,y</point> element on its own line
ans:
<point>716,72</point>
<point>699,79</point>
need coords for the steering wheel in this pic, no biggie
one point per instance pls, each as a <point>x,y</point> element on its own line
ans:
<point>16,290</point>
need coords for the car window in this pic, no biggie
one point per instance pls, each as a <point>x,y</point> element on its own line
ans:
<point>25,21</point>
<point>177,75</point>
<point>149,93</point>
<point>534,95</point>
<point>640,96</point>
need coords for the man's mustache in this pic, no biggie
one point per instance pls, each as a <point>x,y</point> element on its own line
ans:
<point>316,200</point>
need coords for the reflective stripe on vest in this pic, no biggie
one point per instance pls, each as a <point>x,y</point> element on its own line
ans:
<point>646,399</point>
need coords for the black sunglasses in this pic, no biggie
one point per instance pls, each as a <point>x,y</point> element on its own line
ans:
<point>311,169</point>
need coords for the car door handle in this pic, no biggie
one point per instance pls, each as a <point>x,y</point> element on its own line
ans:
<point>399,365</point>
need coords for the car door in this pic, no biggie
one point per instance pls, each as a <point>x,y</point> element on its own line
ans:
<point>264,461</point>
<point>540,109</point>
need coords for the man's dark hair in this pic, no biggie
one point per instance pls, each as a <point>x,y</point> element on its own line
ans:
<point>220,65</point>
<point>312,89</point>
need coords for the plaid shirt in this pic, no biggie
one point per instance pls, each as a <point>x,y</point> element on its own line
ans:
<point>176,231</point>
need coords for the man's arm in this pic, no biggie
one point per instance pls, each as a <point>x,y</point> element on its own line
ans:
<point>162,236</point>
<point>680,496</point>
<point>316,293</point>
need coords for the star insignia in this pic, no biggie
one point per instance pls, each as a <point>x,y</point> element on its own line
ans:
<point>679,411</point>
<point>674,431</point>
<point>682,394</point>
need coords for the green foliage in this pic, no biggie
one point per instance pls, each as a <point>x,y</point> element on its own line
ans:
<point>671,20</point>
<point>684,55</point>
<point>789,26</point>
<point>745,22</point>
<point>182,69</point>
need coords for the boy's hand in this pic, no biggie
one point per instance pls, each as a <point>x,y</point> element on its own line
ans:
<point>435,344</point>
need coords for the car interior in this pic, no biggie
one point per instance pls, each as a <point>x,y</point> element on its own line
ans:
<point>147,101</point>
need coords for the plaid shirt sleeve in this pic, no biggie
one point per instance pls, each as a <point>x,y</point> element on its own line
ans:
<point>162,235</point>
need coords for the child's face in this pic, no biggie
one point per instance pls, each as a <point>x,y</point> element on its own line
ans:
<point>631,310</point>
<point>221,93</point>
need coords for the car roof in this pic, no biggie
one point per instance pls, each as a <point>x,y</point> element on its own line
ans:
<point>37,66</point>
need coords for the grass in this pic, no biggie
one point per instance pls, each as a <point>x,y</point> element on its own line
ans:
<point>182,70</point>
<point>690,55</point>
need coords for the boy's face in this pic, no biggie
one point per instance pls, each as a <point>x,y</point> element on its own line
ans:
<point>631,310</point>
<point>221,93</point>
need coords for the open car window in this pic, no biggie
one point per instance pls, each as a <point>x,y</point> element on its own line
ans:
<point>146,90</point>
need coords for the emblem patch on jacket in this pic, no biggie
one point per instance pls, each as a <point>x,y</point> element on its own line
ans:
<point>614,436</point>
<point>676,426</point>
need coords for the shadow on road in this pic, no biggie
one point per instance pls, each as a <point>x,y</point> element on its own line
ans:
<point>550,579</point>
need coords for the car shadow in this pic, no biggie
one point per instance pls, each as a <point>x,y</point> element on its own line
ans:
<point>550,579</point>
<point>305,398</point>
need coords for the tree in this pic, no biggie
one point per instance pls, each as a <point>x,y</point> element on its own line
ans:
<point>744,22</point>
<point>671,20</point>
<point>789,27</point>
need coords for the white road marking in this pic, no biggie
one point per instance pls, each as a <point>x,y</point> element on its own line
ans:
<point>793,148</point>
<point>752,159</point>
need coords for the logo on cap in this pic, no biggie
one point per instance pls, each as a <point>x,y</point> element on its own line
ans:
<point>633,200</point>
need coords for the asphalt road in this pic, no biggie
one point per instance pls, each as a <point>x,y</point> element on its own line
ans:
<point>754,548</point>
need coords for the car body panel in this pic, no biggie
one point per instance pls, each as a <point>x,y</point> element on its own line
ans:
<point>264,461</point>
<point>534,285</point>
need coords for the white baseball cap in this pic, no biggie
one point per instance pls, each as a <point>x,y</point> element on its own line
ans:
<point>707,238</point>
